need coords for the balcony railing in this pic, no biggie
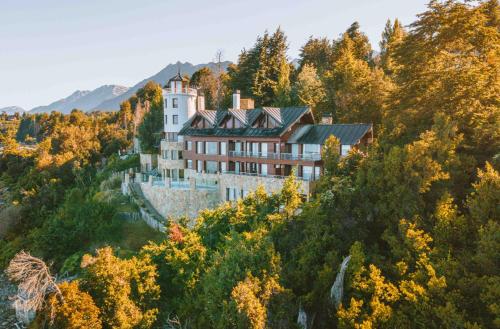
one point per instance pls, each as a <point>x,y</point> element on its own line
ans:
<point>307,179</point>
<point>276,156</point>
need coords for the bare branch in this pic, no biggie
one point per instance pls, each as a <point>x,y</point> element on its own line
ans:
<point>34,282</point>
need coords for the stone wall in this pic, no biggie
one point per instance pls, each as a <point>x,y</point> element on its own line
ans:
<point>176,202</point>
<point>248,183</point>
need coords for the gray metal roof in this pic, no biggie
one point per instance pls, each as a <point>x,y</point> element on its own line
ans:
<point>348,134</point>
<point>287,116</point>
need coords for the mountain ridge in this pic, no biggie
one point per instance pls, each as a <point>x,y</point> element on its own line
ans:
<point>12,109</point>
<point>161,77</point>
<point>109,97</point>
<point>85,100</point>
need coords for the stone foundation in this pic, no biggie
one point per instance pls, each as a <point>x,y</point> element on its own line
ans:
<point>175,202</point>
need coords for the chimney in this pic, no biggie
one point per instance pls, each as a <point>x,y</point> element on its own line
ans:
<point>247,104</point>
<point>200,106</point>
<point>236,99</point>
<point>327,119</point>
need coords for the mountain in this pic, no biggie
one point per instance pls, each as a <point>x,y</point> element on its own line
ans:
<point>11,110</point>
<point>161,77</point>
<point>84,100</point>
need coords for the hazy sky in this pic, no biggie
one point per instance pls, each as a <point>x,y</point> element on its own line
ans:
<point>49,48</point>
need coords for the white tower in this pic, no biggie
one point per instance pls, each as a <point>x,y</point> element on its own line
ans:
<point>179,105</point>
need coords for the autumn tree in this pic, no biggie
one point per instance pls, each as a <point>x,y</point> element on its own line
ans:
<point>309,88</point>
<point>124,290</point>
<point>76,310</point>
<point>448,63</point>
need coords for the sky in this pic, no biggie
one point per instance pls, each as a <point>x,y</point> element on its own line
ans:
<point>49,48</point>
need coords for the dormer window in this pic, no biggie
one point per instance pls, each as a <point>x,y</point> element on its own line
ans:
<point>265,121</point>
<point>231,122</point>
<point>200,123</point>
<point>175,103</point>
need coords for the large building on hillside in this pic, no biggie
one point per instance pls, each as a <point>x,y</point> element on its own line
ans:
<point>209,156</point>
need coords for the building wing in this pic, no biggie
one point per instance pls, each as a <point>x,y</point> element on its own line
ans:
<point>347,134</point>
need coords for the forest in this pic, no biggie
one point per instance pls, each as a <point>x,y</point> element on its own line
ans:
<point>416,217</point>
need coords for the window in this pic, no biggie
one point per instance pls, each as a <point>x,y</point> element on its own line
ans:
<point>200,123</point>
<point>175,175</point>
<point>199,147</point>
<point>175,119</point>
<point>231,194</point>
<point>171,137</point>
<point>166,119</point>
<point>231,122</point>
<point>189,164</point>
<point>223,167</point>
<point>307,172</point>
<point>189,146</point>
<point>295,150</point>
<point>199,166</point>
<point>211,148</point>
<point>263,170</point>
<point>237,147</point>
<point>255,149</point>
<point>174,155</point>
<point>317,172</point>
<point>223,148</point>
<point>175,103</point>
<point>266,121</point>
<point>311,148</point>
<point>263,149</point>
<point>211,167</point>
<point>345,150</point>
<point>276,148</point>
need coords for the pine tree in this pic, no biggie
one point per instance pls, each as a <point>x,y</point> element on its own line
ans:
<point>309,89</point>
<point>392,36</point>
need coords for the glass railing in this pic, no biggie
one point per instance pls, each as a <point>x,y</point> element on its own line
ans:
<point>308,179</point>
<point>276,156</point>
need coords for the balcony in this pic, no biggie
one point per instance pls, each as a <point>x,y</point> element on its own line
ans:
<point>275,156</point>
<point>306,179</point>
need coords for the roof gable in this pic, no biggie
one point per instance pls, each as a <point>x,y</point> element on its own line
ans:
<point>285,116</point>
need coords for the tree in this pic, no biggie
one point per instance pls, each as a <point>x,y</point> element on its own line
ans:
<point>448,63</point>
<point>331,155</point>
<point>362,48</point>
<point>252,298</point>
<point>34,283</point>
<point>151,126</point>
<point>317,53</point>
<point>208,83</point>
<point>357,91</point>
<point>180,261</point>
<point>76,310</point>
<point>121,289</point>
<point>309,88</point>
<point>392,36</point>
<point>263,71</point>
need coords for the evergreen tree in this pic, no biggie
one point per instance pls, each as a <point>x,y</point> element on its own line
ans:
<point>309,89</point>
<point>392,36</point>
<point>318,53</point>
<point>448,63</point>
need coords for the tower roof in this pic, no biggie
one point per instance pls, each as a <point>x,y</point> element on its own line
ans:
<point>177,77</point>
